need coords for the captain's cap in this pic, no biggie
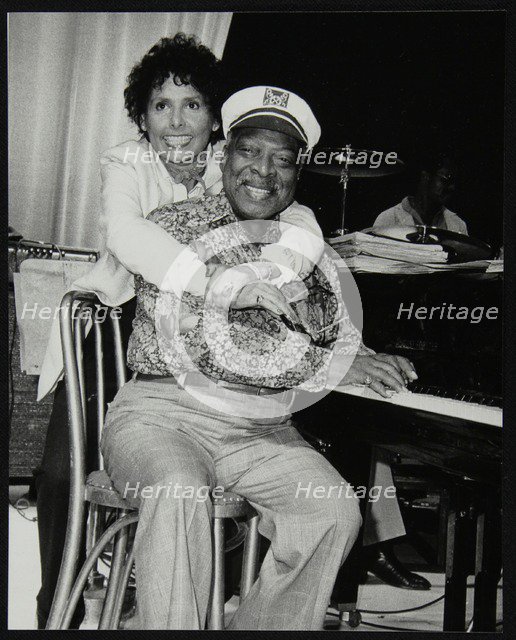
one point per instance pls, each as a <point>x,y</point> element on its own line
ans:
<point>274,109</point>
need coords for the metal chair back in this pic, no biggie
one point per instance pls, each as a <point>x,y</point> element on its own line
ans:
<point>75,320</point>
<point>74,325</point>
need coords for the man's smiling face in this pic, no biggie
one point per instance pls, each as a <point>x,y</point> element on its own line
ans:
<point>260,172</point>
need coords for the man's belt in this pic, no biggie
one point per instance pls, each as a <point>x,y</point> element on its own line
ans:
<point>198,380</point>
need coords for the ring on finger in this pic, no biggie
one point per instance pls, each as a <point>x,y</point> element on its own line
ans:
<point>368,380</point>
<point>259,299</point>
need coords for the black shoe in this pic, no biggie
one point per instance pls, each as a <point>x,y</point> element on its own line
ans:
<point>386,567</point>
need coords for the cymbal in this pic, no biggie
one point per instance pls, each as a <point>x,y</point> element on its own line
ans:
<point>460,248</point>
<point>362,163</point>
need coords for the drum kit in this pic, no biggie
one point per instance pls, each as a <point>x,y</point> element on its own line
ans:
<point>346,163</point>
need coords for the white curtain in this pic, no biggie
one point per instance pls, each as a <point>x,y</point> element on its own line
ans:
<point>66,76</point>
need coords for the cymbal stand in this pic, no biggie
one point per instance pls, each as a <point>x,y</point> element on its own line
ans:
<point>344,177</point>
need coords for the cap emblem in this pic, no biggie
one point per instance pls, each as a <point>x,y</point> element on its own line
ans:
<point>275,98</point>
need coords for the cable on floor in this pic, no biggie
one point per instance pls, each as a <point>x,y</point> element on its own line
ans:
<point>388,627</point>
<point>372,624</point>
<point>20,510</point>
<point>469,628</point>
<point>383,626</point>
<point>421,606</point>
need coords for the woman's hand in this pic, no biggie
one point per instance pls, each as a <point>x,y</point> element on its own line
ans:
<point>258,294</point>
<point>265,296</point>
<point>384,373</point>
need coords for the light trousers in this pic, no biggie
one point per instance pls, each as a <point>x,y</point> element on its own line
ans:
<point>159,436</point>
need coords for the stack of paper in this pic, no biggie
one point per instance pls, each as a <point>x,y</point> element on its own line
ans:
<point>495,266</point>
<point>366,245</point>
<point>371,264</point>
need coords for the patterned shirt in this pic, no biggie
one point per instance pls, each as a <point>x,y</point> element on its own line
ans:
<point>247,346</point>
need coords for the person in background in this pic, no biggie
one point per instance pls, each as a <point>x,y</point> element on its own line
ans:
<point>434,186</point>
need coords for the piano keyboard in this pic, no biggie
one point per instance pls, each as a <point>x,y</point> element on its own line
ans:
<point>435,404</point>
<point>469,396</point>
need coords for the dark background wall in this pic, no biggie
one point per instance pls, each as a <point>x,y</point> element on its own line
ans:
<point>401,82</point>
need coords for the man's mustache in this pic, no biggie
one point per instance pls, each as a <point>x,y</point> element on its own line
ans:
<point>252,181</point>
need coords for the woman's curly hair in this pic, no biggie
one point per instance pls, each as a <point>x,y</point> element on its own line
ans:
<point>187,61</point>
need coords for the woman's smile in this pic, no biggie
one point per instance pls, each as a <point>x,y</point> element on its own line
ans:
<point>177,141</point>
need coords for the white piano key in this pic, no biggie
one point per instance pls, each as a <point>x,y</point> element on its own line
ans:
<point>434,404</point>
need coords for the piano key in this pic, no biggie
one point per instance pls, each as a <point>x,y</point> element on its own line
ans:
<point>465,395</point>
<point>432,403</point>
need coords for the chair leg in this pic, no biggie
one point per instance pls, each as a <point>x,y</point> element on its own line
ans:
<point>117,563</point>
<point>94,528</point>
<point>73,541</point>
<point>121,590</point>
<point>250,559</point>
<point>75,593</point>
<point>94,593</point>
<point>217,594</point>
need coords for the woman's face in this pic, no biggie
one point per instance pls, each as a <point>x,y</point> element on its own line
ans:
<point>178,122</point>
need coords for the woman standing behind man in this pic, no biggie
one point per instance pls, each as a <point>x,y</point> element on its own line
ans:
<point>173,96</point>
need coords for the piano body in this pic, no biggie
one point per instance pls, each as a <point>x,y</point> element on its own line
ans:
<point>451,419</point>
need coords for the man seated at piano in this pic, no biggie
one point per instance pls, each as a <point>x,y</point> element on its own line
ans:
<point>433,186</point>
<point>227,417</point>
